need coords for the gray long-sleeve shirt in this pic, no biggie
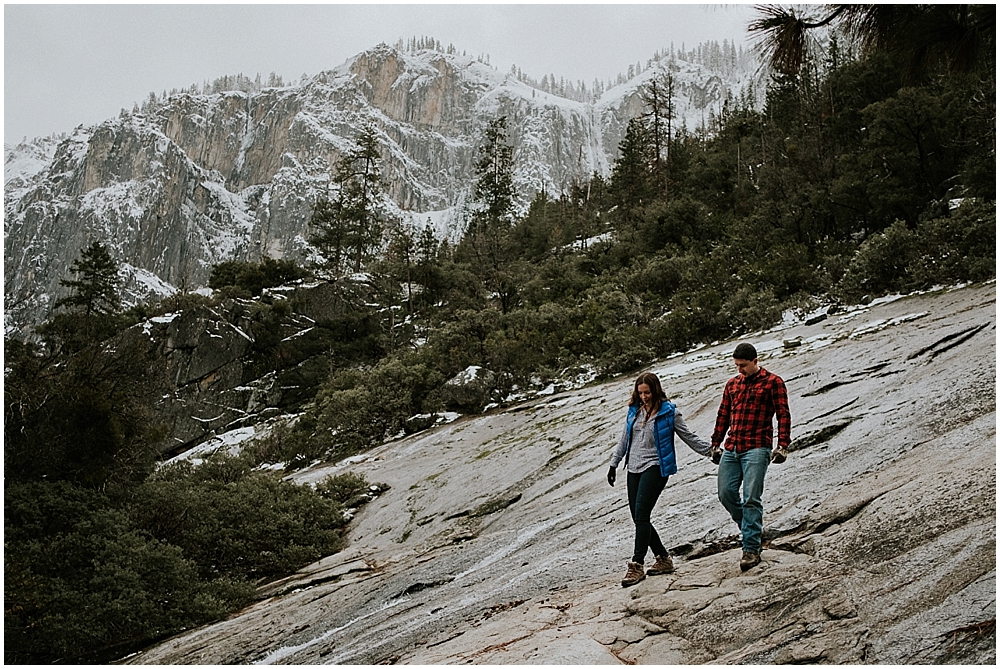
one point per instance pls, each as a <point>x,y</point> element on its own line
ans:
<point>642,455</point>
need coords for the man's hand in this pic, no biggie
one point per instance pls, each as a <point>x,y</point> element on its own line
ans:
<point>716,455</point>
<point>779,455</point>
<point>611,477</point>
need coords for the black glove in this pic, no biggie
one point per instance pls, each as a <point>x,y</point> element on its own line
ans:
<point>779,455</point>
<point>611,477</point>
<point>716,455</point>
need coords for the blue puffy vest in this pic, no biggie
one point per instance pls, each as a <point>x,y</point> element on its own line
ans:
<point>663,435</point>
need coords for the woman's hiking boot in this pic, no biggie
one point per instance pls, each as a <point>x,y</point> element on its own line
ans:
<point>663,565</point>
<point>749,560</point>
<point>633,574</point>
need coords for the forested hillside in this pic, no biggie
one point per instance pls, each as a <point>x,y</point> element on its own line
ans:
<point>859,177</point>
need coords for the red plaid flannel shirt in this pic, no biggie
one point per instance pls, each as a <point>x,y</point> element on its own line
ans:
<point>747,409</point>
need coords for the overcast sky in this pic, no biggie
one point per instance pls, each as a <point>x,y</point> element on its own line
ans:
<point>76,63</point>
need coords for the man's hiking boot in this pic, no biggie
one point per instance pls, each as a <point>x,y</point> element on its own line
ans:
<point>749,560</point>
<point>663,565</point>
<point>633,575</point>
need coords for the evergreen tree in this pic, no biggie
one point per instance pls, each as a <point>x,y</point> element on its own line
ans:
<point>93,307</point>
<point>427,246</point>
<point>401,260</point>
<point>632,187</point>
<point>659,116</point>
<point>95,290</point>
<point>428,267</point>
<point>350,226</point>
<point>494,191</point>
<point>330,222</point>
<point>487,238</point>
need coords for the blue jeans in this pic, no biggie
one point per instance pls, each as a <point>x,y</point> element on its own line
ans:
<point>747,469</point>
<point>644,489</point>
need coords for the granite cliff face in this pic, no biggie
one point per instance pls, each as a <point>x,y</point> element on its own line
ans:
<point>198,179</point>
<point>229,365</point>
<point>499,541</point>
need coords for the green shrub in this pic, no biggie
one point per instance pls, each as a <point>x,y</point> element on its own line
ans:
<point>558,279</point>
<point>255,277</point>
<point>625,350</point>
<point>342,487</point>
<point>184,302</point>
<point>782,271</point>
<point>676,223</point>
<point>960,246</point>
<point>360,408</point>
<point>610,328</point>
<point>232,521</point>
<point>957,247</point>
<point>880,264</point>
<point>83,585</point>
<point>288,443</point>
<point>747,310</point>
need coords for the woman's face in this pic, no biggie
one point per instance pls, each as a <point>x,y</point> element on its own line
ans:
<point>645,394</point>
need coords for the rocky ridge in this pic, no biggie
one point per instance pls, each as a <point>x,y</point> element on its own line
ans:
<point>499,542</point>
<point>232,365</point>
<point>195,180</point>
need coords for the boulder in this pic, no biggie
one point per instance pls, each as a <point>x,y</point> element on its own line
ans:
<point>208,361</point>
<point>202,347</point>
<point>469,390</point>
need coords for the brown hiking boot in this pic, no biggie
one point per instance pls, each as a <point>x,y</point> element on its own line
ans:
<point>749,560</point>
<point>663,565</point>
<point>633,575</point>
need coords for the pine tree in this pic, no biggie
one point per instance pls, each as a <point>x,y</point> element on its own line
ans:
<point>401,259</point>
<point>331,224</point>
<point>630,182</point>
<point>427,246</point>
<point>93,307</point>
<point>487,238</point>
<point>632,187</point>
<point>95,289</point>
<point>495,179</point>
<point>349,227</point>
<point>659,116</point>
<point>364,198</point>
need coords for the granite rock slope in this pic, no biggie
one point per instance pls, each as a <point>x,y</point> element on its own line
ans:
<point>500,542</point>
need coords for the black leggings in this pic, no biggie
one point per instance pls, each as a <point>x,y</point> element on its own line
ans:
<point>644,489</point>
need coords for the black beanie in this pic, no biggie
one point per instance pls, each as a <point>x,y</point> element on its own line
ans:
<point>745,352</point>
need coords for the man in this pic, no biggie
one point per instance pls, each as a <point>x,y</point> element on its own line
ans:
<point>750,402</point>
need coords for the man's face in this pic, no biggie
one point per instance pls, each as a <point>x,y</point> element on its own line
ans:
<point>746,367</point>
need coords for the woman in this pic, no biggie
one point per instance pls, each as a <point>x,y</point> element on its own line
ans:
<point>647,445</point>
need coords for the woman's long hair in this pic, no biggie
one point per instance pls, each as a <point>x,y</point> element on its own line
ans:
<point>653,381</point>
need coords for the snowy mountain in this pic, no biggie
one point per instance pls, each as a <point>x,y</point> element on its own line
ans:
<point>194,179</point>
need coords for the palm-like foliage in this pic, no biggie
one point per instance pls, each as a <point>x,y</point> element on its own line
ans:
<point>961,37</point>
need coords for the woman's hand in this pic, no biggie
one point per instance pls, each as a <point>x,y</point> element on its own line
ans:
<point>611,477</point>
